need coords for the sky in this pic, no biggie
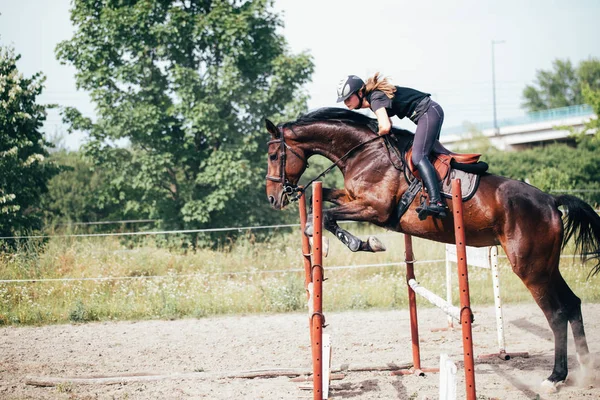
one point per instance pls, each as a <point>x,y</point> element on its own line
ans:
<point>437,46</point>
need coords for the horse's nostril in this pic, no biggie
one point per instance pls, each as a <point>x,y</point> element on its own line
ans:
<point>271,200</point>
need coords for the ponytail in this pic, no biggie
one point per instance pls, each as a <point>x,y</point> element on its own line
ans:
<point>377,83</point>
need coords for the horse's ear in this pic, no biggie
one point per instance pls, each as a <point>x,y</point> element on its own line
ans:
<point>272,129</point>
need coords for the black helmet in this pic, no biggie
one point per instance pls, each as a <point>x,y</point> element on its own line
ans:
<point>347,86</point>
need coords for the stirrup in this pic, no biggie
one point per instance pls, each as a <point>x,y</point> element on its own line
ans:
<point>436,210</point>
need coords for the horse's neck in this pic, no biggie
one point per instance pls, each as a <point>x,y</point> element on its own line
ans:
<point>331,142</point>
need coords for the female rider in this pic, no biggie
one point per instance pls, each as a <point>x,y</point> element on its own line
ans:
<point>387,100</point>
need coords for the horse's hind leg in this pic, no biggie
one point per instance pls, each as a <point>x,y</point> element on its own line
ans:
<point>543,288</point>
<point>576,320</point>
<point>535,261</point>
<point>569,310</point>
<point>560,306</point>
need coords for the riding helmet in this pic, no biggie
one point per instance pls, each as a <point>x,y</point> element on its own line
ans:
<point>347,86</point>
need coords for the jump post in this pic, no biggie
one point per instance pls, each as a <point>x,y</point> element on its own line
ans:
<point>313,272</point>
<point>313,268</point>
<point>486,258</point>
<point>463,314</point>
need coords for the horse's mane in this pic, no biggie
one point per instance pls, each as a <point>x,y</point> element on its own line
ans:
<point>341,115</point>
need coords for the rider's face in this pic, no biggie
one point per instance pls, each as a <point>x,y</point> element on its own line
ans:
<point>352,102</point>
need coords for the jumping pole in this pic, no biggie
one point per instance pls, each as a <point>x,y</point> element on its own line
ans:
<point>486,258</point>
<point>313,269</point>
<point>462,314</point>
<point>305,245</point>
<point>414,321</point>
<point>466,315</point>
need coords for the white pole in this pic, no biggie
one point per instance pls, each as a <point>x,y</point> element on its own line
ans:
<point>326,346</point>
<point>433,298</point>
<point>497,300</point>
<point>447,378</point>
<point>449,286</point>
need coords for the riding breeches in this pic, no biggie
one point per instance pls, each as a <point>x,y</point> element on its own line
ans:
<point>428,130</point>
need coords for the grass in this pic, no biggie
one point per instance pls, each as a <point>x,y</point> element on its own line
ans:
<point>246,277</point>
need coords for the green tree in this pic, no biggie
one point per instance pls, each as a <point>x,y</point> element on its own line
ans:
<point>24,171</point>
<point>592,97</point>
<point>83,193</point>
<point>588,74</point>
<point>555,168</point>
<point>187,84</point>
<point>562,86</point>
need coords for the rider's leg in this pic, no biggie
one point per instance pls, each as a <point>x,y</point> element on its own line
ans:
<point>428,130</point>
<point>430,179</point>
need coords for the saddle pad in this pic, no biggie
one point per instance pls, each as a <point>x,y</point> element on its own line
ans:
<point>468,183</point>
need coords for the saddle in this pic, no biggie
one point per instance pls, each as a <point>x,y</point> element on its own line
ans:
<point>448,165</point>
<point>444,162</point>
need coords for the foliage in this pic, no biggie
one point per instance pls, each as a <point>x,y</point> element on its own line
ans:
<point>475,141</point>
<point>562,86</point>
<point>24,171</point>
<point>555,168</point>
<point>82,193</point>
<point>592,97</point>
<point>318,164</point>
<point>186,85</point>
<point>162,284</point>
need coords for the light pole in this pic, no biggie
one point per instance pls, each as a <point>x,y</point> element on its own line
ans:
<point>495,42</point>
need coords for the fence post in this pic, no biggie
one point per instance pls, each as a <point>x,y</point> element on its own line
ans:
<point>466,316</point>
<point>317,318</point>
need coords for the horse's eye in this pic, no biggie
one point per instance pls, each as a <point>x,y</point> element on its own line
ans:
<point>273,157</point>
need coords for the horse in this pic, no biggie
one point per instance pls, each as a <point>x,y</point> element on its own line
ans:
<point>524,220</point>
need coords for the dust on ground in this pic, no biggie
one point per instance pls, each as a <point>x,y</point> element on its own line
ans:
<point>198,350</point>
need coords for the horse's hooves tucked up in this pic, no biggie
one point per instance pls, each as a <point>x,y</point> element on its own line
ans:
<point>325,244</point>
<point>551,387</point>
<point>375,244</point>
<point>308,229</point>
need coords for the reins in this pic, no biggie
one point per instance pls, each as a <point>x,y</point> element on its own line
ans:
<point>342,158</point>
<point>294,192</point>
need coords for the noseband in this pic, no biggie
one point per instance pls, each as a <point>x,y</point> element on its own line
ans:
<point>292,191</point>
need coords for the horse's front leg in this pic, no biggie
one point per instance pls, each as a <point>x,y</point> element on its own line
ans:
<point>353,211</point>
<point>372,244</point>
<point>335,196</point>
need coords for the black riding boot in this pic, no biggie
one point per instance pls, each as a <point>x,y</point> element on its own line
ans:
<point>435,207</point>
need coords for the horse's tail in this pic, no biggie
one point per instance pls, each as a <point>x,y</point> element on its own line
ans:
<point>582,222</point>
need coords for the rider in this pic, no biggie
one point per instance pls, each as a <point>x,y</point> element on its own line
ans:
<point>387,100</point>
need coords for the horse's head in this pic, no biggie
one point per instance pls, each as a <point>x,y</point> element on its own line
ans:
<point>286,163</point>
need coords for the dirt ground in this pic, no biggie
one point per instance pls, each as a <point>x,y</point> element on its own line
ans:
<point>197,353</point>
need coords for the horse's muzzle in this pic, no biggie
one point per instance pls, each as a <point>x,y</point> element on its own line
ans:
<point>278,202</point>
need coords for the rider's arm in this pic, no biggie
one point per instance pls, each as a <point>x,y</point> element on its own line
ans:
<point>385,124</point>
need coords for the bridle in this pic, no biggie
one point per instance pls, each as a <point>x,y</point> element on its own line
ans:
<point>293,191</point>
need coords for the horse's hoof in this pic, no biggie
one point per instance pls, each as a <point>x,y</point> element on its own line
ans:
<point>551,387</point>
<point>308,229</point>
<point>585,361</point>
<point>586,375</point>
<point>375,244</point>
<point>324,244</point>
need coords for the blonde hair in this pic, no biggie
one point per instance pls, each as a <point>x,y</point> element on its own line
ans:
<point>377,83</point>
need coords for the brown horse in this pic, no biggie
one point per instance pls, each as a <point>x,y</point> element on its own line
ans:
<point>525,221</point>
